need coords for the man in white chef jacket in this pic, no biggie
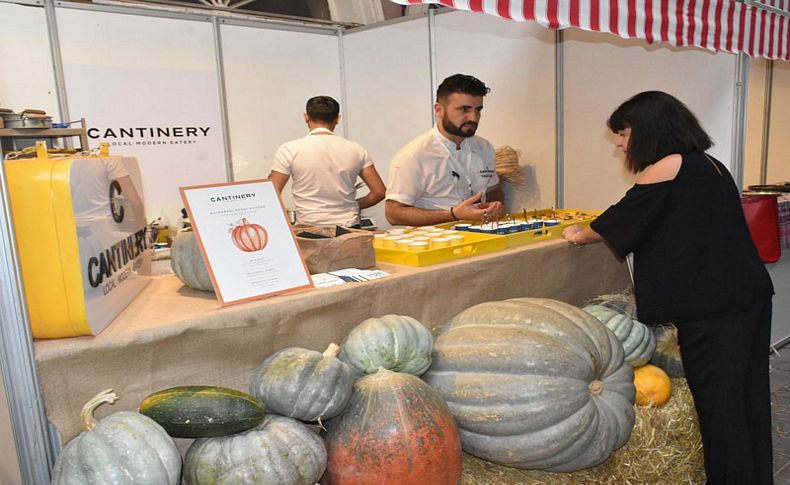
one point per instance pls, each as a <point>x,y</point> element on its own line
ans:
<point>324,168</point>
<point>447,173</point>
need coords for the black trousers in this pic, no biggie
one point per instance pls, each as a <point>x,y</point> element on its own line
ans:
<point>725,360</point>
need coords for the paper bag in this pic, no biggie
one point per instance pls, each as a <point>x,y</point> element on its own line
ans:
<point>328,248</point>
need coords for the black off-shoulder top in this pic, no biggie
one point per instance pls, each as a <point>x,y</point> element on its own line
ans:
<point>693,255</point>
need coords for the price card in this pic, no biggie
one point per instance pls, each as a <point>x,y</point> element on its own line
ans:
<point>246,240</point>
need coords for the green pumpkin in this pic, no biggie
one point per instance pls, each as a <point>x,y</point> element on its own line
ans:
<point>534,383</point>
<point>187,262</point>
<point>124,447</point>
<point>667,354</point>
<point>638,341</point>
<point>303,384</point>
<point>394,342</point>
<point>280,450</point>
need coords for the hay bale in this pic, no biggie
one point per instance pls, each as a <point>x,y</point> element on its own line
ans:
<point>665,448</point>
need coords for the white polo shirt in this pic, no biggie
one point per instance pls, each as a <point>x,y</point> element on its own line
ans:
<point>430,173</point>
<point>323,168</point>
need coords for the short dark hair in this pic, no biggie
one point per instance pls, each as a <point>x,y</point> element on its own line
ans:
<point>461,83</point>
<point>660,125</point>
<point>322,108</point>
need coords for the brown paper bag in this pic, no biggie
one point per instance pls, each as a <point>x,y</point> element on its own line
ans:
<point>351,250</point>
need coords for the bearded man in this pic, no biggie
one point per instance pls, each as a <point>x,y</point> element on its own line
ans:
<point>447,173</point>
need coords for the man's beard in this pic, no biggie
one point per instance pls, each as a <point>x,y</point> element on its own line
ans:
<point>459,130</point>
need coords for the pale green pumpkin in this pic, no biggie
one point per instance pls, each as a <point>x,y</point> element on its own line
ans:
<point>638,341</point>
<point>534,383</point>
<point>123,448</point>
<point>303,384</point>
<point>280,450</point>
<point>187,262</point>
<point>667,354</point>
<point>395,342</point>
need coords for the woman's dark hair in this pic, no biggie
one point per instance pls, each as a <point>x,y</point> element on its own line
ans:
<point>461,83</point>
<point>660,125</point>
<point>322,108</point>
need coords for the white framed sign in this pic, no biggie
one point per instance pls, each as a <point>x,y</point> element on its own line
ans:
<point>246,240</point>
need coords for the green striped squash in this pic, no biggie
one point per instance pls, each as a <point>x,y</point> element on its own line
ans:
<point>202,411</point>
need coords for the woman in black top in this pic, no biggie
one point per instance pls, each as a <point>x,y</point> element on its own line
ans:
<point>695,265</point>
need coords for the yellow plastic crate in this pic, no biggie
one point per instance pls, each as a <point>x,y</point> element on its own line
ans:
<point>565,217</point>
<point>472,245</point>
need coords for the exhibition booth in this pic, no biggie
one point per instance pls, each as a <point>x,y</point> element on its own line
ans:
<point>197,98</point>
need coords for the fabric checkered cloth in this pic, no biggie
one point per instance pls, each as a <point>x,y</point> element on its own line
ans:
<point>784,221</point>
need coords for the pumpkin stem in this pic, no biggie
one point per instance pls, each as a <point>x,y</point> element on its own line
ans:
<point>86,416</point>
<point>332,350</point>
<point>595,387</point>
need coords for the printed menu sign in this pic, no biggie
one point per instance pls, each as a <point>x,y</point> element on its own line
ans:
<point>246,240</point>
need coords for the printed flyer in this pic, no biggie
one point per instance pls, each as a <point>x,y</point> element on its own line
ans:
<point>246,240</point>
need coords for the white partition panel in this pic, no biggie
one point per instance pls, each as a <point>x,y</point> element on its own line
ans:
<point>755,118</point>
<point>269,75</point>
<point>779,142</point>
<point>602,71</point>
<point>388,90</point>
<point>26,78</point>
<point>148,86</point>
<point>516,60</point>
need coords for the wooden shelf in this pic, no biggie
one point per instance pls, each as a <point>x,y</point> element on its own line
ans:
<point>47,133</point>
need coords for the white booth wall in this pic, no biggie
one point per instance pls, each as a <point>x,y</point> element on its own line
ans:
<point>779,141</point>
<point>26,79</point>
<point>142,74</point>
<point>269,74</point>
<point>600,72</point>
<point>388,91</point>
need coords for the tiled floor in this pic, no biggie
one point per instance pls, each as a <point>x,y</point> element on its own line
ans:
<point>780,410</point>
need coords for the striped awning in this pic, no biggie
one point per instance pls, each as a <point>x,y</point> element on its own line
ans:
<point>761,29</point>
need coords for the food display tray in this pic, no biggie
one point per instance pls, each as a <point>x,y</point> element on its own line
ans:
<point>563,217</point>
<point>472,245</point>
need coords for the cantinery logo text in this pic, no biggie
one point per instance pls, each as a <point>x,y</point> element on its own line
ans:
<point>150,135</point>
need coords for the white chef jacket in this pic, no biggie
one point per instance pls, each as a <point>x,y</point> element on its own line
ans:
<point>430,173</point>
<point>323,170</point>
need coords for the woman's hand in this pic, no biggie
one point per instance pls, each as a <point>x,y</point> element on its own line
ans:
<point>571,233</point>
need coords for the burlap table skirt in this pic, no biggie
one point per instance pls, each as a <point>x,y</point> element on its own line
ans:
<point>172,335</point>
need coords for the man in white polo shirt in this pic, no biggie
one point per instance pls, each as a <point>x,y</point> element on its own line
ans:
<point>324,168</point>
<point>447,173</point>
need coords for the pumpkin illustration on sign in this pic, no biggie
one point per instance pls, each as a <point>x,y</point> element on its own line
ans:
<point>248,236</point>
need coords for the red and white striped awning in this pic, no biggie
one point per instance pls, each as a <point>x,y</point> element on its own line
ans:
<point>759,30</point>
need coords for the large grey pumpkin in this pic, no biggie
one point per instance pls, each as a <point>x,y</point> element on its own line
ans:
<point>124,447</point>
<point>303,384</point>
<point>395,342</point>
<point>279,451</point>
<point>534,383</point>
<point>187,262</point>
<point>637,339</point>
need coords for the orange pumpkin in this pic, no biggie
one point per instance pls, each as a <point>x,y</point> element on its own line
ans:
<point>395,430</point>
<point>653,385</point>
<point>249,237</point>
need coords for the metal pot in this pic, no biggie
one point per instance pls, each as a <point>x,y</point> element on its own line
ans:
<point>26,120</point>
